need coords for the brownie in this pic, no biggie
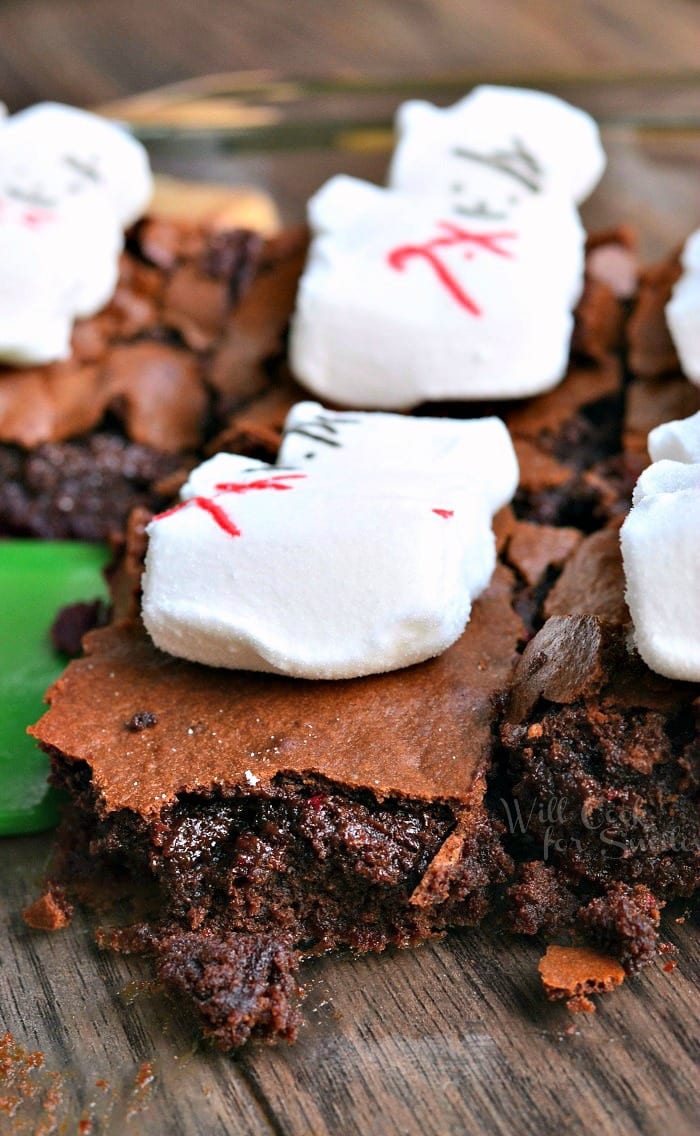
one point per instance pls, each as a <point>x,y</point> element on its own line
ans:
<point>658,392</point>
<point>613,753</point>
<point>651,350</point>
<point>193,332</point>
<point>536,769</point>
<point>322,814</point>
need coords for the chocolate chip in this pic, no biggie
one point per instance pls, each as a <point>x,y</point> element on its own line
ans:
<point>565,661</point>
<point>75,620</point>
<point>142,720</point>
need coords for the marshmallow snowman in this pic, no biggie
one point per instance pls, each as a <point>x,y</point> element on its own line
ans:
<point>70,183</point>
<point>683,310</point>
<point>361,562</point>
<point>660,542</point>
<point>679,441</point>
<point>495,149</point>
<point>459,281</point>
<point>478,451</point>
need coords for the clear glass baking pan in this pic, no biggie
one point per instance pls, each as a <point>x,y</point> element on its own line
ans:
<point>288,136</point>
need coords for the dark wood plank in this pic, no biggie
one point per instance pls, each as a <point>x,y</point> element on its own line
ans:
<point>455,1037</point>
<point>452,1038</point>
<point>103,1029</point>
<point>89,53</point>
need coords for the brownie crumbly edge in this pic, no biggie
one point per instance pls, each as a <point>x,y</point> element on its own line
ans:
<point>194,332</point>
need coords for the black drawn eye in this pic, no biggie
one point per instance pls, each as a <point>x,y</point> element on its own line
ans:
<point>456,187</point>
<point>310,455</point>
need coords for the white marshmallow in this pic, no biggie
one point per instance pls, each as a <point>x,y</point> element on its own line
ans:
<point>661,554</point>
<point>460,280</point>
<point>496,148</point>
<point>326,580</point>
<point>55,152</point>
<point>204,480</point>
<point>476,451</point>
<point>69,183</point>
<point>683,310</point>
<point>679,440</point>
<point>401,302</point>
<point>359,564</point>
<point>666,477</point>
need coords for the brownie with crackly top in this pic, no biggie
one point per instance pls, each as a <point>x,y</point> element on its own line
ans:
<point>265,817</point>
<point>318,814</point>
<point>193,332</point>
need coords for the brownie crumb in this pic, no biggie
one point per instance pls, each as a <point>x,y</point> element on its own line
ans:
<point>575,972</point>
<point>539,902</point>
<point>624,923</point>
<point>579,1004</point>
<point>240,984</point>
<point>75,620</point>
<point>142,720</point>
<point>51,912</point>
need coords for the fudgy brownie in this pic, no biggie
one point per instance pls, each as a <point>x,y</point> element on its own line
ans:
<point>313,814</point>
<point>193,332</point>
<point>267,817</point>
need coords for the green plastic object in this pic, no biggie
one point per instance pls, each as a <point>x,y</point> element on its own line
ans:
<point>36,579</point>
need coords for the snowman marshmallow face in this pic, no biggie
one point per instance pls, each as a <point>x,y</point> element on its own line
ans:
<point>334,570</point>
<point>69,184</point>
<point>474,452</point>
<point>495,150</point>
<point>400,303</point>
<point>459,281</point>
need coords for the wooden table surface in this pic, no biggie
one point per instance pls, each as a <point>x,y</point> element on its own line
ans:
<point>90,52</point>
<point>454,1037</point>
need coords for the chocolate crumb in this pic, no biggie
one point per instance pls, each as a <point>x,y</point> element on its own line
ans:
<point>75,620</point>
<point>142,720</point>
<point>579,1004</point>
<point>539,902</point>
<point>575,972</point>
<point>624,923</point>
<point>241,984</point>
<point>51,912</point>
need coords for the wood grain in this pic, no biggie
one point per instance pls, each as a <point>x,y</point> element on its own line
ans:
<point>89,53</point>
<point>453,1038</point>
